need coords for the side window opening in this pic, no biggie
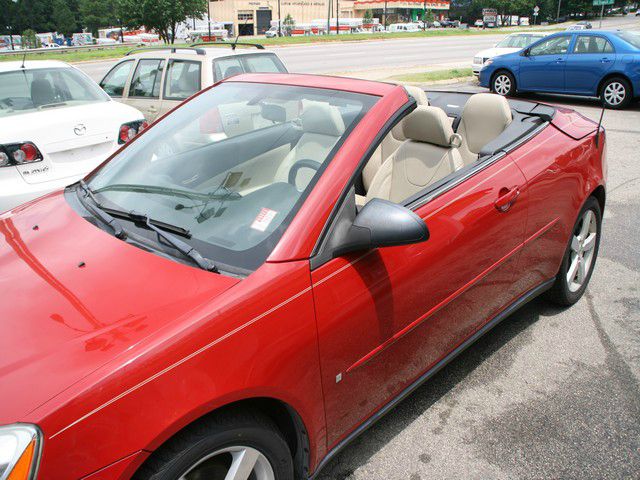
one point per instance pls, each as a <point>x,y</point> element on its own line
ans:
<point>183,79</point>
<point>147,78</point>
<point>115,81</point>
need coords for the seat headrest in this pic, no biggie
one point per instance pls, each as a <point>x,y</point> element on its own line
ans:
<point>485,116</point>
<point>232,70</point>
<point>420,96</point>
<point>42,92</point>
<point>322,118</point>
<point>429,125</point>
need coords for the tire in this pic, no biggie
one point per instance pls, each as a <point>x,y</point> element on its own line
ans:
<point>503,83</point>
<point>211,447</point>
<point>571,282</point>
<point>616,93</point>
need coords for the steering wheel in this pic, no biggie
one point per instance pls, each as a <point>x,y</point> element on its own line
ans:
<point>304,163</point>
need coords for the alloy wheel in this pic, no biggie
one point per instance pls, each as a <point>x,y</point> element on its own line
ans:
<point>583,245</point>
<point>231,463</point>
<point>502,85</point>
<point>615,93</point>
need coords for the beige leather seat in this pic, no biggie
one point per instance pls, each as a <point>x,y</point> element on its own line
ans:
<point>392,141</point>
<point>428,154</point>
<point>322,127</point>
<point>484,117</point>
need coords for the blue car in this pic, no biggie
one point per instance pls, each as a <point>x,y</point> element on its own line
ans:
<point>595,63</point>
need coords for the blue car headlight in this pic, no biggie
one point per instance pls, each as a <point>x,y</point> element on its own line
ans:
<point>20,447</point>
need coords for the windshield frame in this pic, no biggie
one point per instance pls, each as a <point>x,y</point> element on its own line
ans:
<point>240,262</point>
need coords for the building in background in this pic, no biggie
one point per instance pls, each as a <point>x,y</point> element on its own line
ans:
<point>255,17</point>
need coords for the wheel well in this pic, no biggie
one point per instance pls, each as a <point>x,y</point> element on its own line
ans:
<point>283,415</point>
<point>615,75</point>
<point>600,195</point>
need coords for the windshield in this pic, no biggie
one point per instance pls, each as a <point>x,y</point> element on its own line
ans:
<point>630,37</point>
<point>232,165</point>
<point>24,91</point>
<point>518,41</point>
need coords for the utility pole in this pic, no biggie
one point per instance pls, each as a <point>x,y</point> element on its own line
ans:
<point>337,17</point>
<point>558,15</point>
<point>279,21</point>
<point>424,16</point>
<point>10,28</point>
<point>384,25</point>
<point>209,18</point>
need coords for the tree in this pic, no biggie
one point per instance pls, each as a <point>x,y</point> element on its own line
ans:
<point>98,13</point>
<point>289,21</point>
<point>367,19</point>
<point>163,16</point>
<point>63,18</point>
<point>429,17</point>
<point>30,40</point>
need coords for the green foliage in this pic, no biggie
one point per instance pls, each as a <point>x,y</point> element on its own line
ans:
<point>63,18</point>
<point>288,20</point>
<point>163,16</point>
<point>368,16</point>
<point>30,40</point>
<point>98,13</point>
<point>429,17</point>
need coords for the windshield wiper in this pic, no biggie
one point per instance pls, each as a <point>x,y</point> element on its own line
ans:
<point>183,247</point>
<point>99,211</point>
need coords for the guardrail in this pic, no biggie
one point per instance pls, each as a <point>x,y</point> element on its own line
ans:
<point>63,50</point>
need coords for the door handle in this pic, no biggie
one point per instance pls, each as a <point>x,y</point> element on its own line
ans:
<point>152,109</point>
<point>604,60</point>
<point>507,198</point>
<point>559,60</point>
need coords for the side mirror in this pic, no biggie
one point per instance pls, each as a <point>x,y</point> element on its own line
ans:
<point>525,52</point>
<point>381,223</point>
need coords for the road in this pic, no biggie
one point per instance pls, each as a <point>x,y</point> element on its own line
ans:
<point>388,56</point>
<point>549,393</point>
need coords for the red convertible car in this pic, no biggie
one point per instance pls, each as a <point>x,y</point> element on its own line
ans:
<point>266,271</point>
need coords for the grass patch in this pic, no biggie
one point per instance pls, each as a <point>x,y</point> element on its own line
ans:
<point>434,76</point>
<point>117,52</point>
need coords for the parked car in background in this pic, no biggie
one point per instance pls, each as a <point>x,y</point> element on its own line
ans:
<point>56,125</point>
<point>577,26</point>
<point>478,23</point>
<point>404,27</point>
<point>156,79</point>
<point>586,24</point>
<point>224,303</point>
<point>591,63</point>
<point>511,43</point>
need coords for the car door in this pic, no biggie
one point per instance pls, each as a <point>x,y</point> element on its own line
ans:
<point>145,87</point>
<point>115,81</point>
<point>182,79</point>
<point>591,57</point>
<point>542,68</point>
<point>387,315</point>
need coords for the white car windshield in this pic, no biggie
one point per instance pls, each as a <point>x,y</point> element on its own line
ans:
<point>29,90</point>
<point>518,41</point>
<point>232,165</point>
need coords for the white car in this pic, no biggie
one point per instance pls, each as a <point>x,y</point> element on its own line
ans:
<point>56,125</point>
<point>511,43</point>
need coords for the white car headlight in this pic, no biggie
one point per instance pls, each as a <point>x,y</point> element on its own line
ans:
<point>20,447</point>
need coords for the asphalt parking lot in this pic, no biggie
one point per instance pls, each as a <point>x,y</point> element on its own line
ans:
<point>549,393</point>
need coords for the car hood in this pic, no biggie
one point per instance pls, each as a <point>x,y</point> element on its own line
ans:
<point>494,52</point>
<point>73,298</point>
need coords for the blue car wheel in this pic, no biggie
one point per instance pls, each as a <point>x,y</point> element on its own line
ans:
<point>503,84</point>
<point>616,93</point>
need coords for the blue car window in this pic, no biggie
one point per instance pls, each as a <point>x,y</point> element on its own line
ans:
<point>552,46</point>
<point>592,44</point>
